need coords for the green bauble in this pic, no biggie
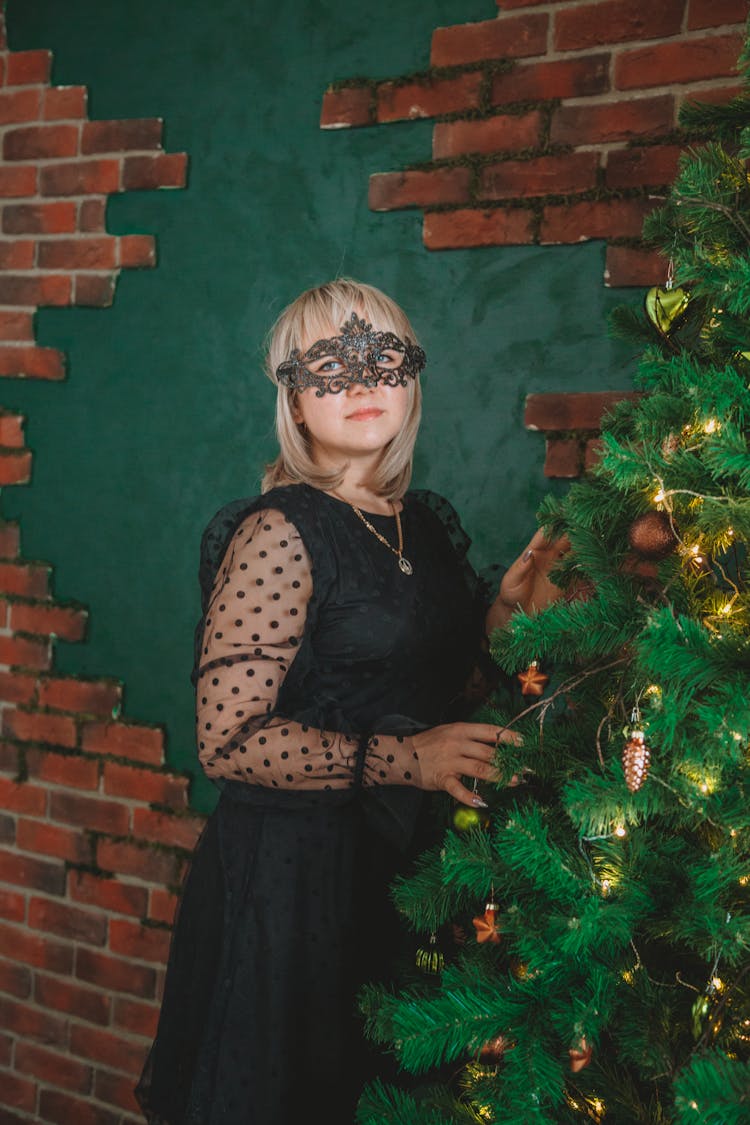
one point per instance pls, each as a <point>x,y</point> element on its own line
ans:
<point>465,818</point>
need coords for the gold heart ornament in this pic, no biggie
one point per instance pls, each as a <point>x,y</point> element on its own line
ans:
<point>665,308</point>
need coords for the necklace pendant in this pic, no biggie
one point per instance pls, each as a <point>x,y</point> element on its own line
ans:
<point>404,565</point>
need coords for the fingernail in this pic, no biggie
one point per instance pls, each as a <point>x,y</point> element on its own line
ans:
<point>480,804</point>
<point>527,555</point>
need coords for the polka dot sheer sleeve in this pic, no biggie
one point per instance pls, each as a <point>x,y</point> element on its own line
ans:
<point>254,626</point>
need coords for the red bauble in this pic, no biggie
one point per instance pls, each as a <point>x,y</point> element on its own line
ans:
<point>652,535</point>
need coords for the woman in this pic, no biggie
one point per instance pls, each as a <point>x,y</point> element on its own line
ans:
<point>341,621</point>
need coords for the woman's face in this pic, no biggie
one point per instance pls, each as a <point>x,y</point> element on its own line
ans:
<point>358,421</point>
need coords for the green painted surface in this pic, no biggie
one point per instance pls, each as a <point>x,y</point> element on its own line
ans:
<point>165,414</point>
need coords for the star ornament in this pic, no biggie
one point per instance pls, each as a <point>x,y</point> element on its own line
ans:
<point>580,1056</point>
<point>533,681</point>
<point>486,924</point>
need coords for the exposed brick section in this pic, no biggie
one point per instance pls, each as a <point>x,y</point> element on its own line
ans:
<point>512,37</point>
<point>544,175</point>
<point>451,230</point>
<point>503,133</point>
<point>86,895</point>
<point>607,122</point>
<point>558,412</point>
<point>637,167</point>
<point>346,107</point>
<point>689,60</point>
<point>430,98</point>
<point>716,13</point>
<point>627,265</point>
<point>622,218</point>
<point>616,21</point>
<point>392,190</point>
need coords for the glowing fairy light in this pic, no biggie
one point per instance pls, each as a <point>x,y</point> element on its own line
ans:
<point>659,496</point>
<point>621,830</point>
<point>710,426</point>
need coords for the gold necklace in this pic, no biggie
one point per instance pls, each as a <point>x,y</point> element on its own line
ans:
<point>403,563</point>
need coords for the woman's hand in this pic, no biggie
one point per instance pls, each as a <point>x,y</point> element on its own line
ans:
<point>526,583</point>
<point>448,753</point>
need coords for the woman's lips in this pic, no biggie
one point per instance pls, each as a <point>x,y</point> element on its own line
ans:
<point>365,415</point>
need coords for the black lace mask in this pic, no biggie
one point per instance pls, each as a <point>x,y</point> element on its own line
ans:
<point>358,355</point>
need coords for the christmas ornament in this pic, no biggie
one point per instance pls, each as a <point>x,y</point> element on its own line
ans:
<point>430,959</point>
<point>580,1056</point>
<point>533,680</point>
<point>494,1049</point>
<point>486,924</point>
<point>466,818</point>
<point>666,307</point>
<point>636,760</point>
<point>652,535</point>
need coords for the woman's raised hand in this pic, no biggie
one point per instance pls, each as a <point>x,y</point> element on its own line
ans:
<point>526,584</point>
<point>455,750</point>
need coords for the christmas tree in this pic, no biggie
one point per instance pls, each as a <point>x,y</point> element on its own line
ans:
<point>583,949</point>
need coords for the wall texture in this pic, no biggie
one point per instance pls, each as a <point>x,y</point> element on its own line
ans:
<point>150,423</point>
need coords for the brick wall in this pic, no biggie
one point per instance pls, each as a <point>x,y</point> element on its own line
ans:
<point>94,831</point>
<point>555,122</point>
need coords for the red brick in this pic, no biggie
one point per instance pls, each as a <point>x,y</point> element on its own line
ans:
<point>7,829</point>
<point>604,218</point>
<point>509,37</point>
<point>40,142</point>
<point>608,121</point>
<point>52,1068</point>
<point>89,812</point>
<point>92,214</point>
<point>64,102</point>
<point>112,974</point>
<point>628,265</point>
<point>430,97</point>
<point>17,253</point>
<point>94,290</point>
<point>566,78</point>
<point>162,906</point>
<point>347,107</point>
<point>15,688</point>
<point>18,943</point>
<point>11,430</point>
<point>49,620</point>
<point>163,828</point>
<point>591,453</point>
<point>109,894</point>
<point>116,1051</point>
<point>686,60</point>
<point>22,798</point>
<point>447,230</point>
<point>66,770</point>
<point>139,743</point>
<point>10,758</point>
<point>83,253</point>
<point>145,785</point>
<point>92,697</point>
<point>581,410</point>
<point>20,105</point>
<point>115,1089</point>
<point>145,943</point>
<point>27,67</point>
<point>15,979</point>
<point>716,13</point>
<point>616,21</point>
<point>716,95</point>
<point>563,458</point>
<point>35,726</point>
<point>132,1015</point>
<point>6,1052</point>
<point>39,218</point>
<point>50,290</point>
<point>12,906</point>
<point>503,133</point>
<point>54,1105</point>
<point>27,1022</point>
<point>51,840</point>
<point>119,136</point>
<point>543,175</point>
<point>67,921</point>
<point>142,862</point>
<point>137,251</point>
<point>144,173</point>
<point>18,180</point>
<point>16,325</point>
<point>653,165</point>
<point>81,177</point>
<point>392,190</point>
<point>18,1092</point>
<point>27,579</point>
<point>37,363</point>
<point>15,468</point>
<point>93,1005</point>
<point>24,871</point>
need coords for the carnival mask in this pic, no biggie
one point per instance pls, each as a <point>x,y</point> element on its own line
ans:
<point>358,355</point>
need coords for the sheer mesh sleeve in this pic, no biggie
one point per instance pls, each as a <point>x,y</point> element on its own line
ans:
<point>254,624</point>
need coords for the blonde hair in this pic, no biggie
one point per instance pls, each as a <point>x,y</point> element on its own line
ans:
<point>310,317</point>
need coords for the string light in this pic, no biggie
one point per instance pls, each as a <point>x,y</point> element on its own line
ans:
<point>621,830</point>
<point>710,426</point>
<point>659,496</point>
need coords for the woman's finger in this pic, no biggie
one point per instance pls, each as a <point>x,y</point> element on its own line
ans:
<point>463,795</point>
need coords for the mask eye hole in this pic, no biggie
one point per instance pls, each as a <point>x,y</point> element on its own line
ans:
<point>388,359</point>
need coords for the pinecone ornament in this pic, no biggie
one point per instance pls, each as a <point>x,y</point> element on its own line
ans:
<point>636,760</point>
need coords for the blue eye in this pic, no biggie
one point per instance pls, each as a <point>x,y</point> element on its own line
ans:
<point>328,367</point>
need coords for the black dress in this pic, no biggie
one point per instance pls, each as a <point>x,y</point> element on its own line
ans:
<point>316,659</point>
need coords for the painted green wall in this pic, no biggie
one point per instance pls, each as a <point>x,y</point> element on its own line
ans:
<point>165,414</point>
